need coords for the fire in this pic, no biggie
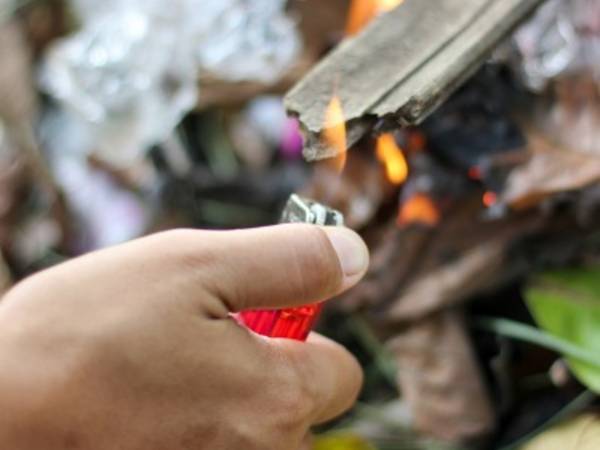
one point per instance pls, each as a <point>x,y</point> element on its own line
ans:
<point>419,209</point>
<point>387,5</point>
<point>475,173</point>
<point>490,199</point>
<point>334,132</point>
<point>363,11</point>
<point>393,159</point>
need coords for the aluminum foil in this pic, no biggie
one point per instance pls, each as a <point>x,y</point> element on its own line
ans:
<point>131,71</point>
<point>6,8</point>
<point>247,39</point>
<point>105,213</point>
<point>563,38</point>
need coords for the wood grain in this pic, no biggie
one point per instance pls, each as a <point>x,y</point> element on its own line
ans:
<point>403,65</point>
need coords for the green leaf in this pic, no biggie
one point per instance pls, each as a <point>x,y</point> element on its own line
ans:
<point>567,305</point>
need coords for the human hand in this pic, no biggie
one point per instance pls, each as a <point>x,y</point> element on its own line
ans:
<point>134,348</point>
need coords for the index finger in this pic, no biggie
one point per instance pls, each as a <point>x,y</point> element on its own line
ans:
<point>331,376</point>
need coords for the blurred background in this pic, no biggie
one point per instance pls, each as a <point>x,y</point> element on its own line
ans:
<point>478,324</point>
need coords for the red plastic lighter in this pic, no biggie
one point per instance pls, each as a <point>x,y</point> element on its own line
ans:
<point>293,323</point>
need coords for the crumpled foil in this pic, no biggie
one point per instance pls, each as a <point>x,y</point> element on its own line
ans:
<point>6,7</point>
<point>246,39</point>
<point>104,212</point>
<point>563,38</point>
<point>128,79</point>
<point>131,71</point>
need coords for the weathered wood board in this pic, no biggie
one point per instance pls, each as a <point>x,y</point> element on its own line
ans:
<point>403,65</point>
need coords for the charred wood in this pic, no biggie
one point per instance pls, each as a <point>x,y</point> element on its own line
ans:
<point>403,66</point>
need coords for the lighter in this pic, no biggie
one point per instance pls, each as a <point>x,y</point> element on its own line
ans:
<point>293,323</point>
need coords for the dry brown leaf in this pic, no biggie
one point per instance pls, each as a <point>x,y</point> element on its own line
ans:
<point>580,433</point>
<point>17,94</point>
<point>416,271</point>
<point>441,381</point>
<point>450,283</point>
<point>573,118</point>
<point>550,170</point>
<point>14,180</point>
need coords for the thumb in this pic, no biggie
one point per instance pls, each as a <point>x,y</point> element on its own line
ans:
<point>285,265</point>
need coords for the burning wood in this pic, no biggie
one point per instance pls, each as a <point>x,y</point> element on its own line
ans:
<point>419,209</point>
<point>484,203</point>
<point>403,65</point>
<point>490,199</point>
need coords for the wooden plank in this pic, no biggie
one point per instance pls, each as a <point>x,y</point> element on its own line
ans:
<point>403,65</point>
<point>419,95</point>
<point>364,69</point>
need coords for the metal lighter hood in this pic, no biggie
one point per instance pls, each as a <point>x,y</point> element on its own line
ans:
<point>303,210</point>
<point>293,323</point>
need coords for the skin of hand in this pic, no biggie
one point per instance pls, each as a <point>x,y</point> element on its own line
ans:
<point>134,348</point>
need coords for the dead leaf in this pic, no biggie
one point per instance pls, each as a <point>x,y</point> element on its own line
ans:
<point>580,433</point>
<point>550,170</point>
<point>17,93</point>
<point>573,118</point>
<point>441,381</point>
<point>15,177</point>
<point>417,271</point>
<point>450,283</point>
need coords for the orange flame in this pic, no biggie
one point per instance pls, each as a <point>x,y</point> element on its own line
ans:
<point>387,5</point>
<point>363,11</point>
<point>334,132</point>
<point>392,157</point>
<point>419,209</point>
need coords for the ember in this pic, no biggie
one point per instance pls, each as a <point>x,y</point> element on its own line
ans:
<point>419,209</point>
<point>490,199</point>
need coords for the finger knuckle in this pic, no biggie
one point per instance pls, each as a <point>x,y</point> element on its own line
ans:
<point>190,249</point>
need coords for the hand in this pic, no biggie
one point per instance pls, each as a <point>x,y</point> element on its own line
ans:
<point>133,347</point>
